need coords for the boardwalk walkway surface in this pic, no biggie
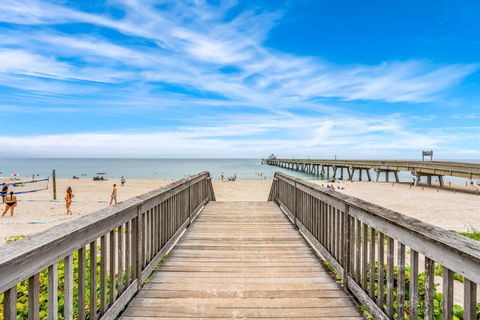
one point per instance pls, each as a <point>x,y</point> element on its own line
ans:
<point>241,260</point>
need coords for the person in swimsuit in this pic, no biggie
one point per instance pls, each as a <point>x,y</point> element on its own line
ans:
<point>4,193</point>
<point>68,200</point>
<point>113,196</point>
<point>122,182</point>
<point>10,203</point>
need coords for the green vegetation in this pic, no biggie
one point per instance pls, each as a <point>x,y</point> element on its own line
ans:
<point>439,272</point>
<point>472,233</point>
<point>22,290</point>
<point>437,303</point>
<point>15,238</point>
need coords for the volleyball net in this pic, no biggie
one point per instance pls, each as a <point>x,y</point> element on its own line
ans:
<point>20,187</point>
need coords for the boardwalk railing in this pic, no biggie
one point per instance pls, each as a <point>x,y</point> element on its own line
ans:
<point>359,239</point>
<point>92,266</point>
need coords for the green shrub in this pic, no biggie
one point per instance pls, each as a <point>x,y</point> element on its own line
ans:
<point>22,290</point>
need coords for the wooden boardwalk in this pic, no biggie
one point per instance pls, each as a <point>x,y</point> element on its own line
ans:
<point>241,260</point>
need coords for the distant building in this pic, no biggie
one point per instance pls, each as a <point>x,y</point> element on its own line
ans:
<point>272,157</point>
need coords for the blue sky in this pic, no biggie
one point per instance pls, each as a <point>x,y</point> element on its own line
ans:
<point>359,79</point>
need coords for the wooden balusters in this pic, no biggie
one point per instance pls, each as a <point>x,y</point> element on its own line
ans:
<point>53,292</point>
<point>372,263</point>
<point>447,296</point>
<point>401,281</point>
<point>390,279</point>
<point>103,273</point>
<point>381,270</point>
<point>81,282</point>
<point>413,284</point>
<point>34,292</point>
<point>469,300</point>
<point>10,304</point>
<point>93,280</point>
<point>429,288</point>
<point>68,287</point>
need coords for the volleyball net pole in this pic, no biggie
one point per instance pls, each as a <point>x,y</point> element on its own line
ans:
<point>54,185</point>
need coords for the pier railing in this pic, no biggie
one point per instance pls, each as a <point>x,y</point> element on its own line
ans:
<point>92,266</point>
<point>369,247</point>
<point>449,168</point>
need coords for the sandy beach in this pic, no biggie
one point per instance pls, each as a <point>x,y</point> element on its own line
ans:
<point>37,211</point>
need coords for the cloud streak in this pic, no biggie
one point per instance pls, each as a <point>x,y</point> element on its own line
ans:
<point>197,61</point>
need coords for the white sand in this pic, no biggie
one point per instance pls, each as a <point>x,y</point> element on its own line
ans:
<point>37,211</point>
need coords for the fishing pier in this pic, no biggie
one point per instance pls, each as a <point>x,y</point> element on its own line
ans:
<point>175,252</point>
<point>345,169</point>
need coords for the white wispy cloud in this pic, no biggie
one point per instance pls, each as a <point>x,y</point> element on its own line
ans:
<point>188,45</point>
<point>193,41</point>
<point>322,137</point>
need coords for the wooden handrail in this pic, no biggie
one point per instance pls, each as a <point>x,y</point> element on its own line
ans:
<point>345,229</point>
<point>133,236</point>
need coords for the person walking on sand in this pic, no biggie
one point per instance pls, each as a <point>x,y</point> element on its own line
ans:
<point>68,201</point>
<point>10,204</point>
<point>122,182</point>
<point>113,196</point>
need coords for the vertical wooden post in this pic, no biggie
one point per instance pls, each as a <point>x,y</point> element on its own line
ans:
<point>189,203</point>
<point>52,292</point>
<point>81,283</point>
<point>413,284</point>
<point>34,296</point>
<point>54,185</point>
<point>10,304</point>
<point>93,280</point>
<point>470,299</point>
<point>346,248</point>
<point>429,288</point>
<point>295,203</point>
<point>68,288</point>
<point>139,247</point>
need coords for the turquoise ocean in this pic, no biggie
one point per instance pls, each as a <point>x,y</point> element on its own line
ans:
<point>147,168</point>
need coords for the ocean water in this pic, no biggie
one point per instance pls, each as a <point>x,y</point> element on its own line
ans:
<point>140,168</point>
<point>152,168</point>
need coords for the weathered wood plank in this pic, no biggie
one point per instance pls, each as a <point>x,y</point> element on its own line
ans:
<point>401,281</point>
<point>34,296</point>
<point>93,280</point>
<point>209,277</point>
<point>82,269</point>
<point>68,287</point>
<point>53,292</point>
<point>429,288</point>
<point>413,284</point>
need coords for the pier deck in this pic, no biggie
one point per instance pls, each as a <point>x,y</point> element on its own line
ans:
<point>241,260</point>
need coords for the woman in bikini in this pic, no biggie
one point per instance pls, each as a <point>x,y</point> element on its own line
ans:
<point>68,200</point>
<point>113,196</point>
<point>10,204</point>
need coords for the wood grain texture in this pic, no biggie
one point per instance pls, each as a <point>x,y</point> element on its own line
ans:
<point>241,259</point>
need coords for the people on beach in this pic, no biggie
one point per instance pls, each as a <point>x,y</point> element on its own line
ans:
<point>4,193</point>
<point>68,200</point>
<point>10,204</point>
<point>113,196</point>
<point>222,178</point>
<point>122,182</point>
